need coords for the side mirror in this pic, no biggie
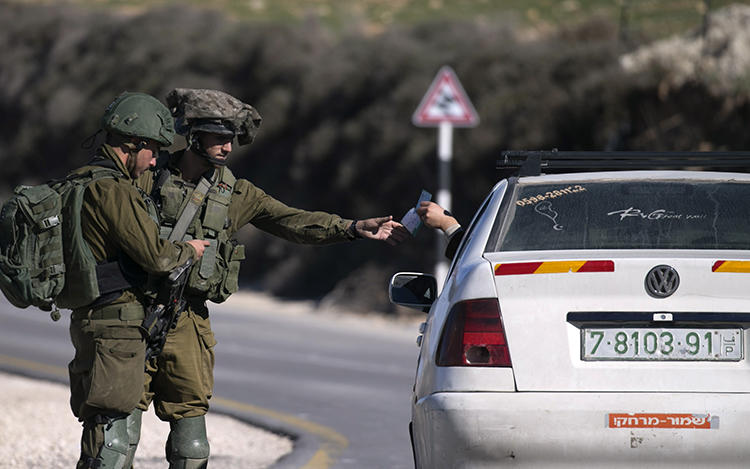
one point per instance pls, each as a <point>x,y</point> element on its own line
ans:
<point>413,290</point>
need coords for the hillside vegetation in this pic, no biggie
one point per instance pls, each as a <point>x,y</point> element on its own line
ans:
<point>646,18</point>
<point>336,134</point>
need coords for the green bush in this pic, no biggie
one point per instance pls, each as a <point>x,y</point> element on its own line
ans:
<point>336,134</point>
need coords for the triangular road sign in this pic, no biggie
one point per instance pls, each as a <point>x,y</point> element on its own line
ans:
<point>445,101</point>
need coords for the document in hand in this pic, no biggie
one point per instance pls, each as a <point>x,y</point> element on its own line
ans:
<point>411,220</point>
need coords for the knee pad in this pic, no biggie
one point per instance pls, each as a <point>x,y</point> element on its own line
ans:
<point>114,451</point>
<point>187,446</point>
<point>134,435</point>
<point>134,426</point>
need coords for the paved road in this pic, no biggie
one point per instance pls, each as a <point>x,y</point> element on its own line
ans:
<point>340,384</point>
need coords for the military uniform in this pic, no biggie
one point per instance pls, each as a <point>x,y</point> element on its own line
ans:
<point>106,374</point>
<point>212,207</point>
<point>180,380</point>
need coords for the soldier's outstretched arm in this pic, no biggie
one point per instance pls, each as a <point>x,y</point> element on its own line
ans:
<point>382,229</point>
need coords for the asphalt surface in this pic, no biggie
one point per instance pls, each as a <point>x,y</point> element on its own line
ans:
<point>350,376</point>
<point>336,385</point>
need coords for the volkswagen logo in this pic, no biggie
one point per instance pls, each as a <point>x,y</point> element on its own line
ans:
<point>662,281</point>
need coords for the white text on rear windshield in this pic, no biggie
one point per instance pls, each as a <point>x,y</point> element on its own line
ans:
<point>628,215</point>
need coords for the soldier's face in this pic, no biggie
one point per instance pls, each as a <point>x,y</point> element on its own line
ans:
<point>145,158</point>
<point>217,146</point>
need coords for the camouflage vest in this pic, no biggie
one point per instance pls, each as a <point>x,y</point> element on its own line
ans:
<point>216,274</point>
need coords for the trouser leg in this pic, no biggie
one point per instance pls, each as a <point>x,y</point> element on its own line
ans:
<point>104,443</point>
<point>106,383</point>
<point>187,445</point>
<point>181,378</point>
<point>134,435</point>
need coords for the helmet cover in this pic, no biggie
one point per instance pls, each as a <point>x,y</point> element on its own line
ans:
<point>213,111</point>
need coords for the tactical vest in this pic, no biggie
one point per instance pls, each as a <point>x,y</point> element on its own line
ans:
<point>215,276</point>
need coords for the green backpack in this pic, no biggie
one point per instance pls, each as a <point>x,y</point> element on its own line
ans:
<point>44,260</point>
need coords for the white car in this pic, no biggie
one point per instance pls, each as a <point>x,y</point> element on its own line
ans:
<point>591,319</point>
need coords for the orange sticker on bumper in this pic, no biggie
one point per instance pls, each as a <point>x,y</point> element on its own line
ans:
<point>686,421</point>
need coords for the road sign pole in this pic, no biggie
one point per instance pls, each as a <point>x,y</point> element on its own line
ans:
<point>445,155</point>
<point>445,105</point>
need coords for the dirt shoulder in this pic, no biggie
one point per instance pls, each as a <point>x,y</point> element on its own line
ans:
<point>40,431</point>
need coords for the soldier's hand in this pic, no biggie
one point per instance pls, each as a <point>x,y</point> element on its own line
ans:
<point>199,245</point>
<point>382,229</point>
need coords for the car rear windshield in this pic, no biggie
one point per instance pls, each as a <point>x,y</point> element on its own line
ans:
<point>650,214</point>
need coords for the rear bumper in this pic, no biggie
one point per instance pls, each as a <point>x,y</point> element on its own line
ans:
<point>458,429</point>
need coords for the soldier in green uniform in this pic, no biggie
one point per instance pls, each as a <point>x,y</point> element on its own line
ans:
<point>197,181</point>
<point>106,374</point>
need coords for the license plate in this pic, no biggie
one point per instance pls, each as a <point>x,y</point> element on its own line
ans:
<point>662,344</point>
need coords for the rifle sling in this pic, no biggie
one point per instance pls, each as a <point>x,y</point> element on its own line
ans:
<point>191,208</point>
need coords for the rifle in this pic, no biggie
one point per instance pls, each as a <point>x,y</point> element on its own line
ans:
<point>164,311</point>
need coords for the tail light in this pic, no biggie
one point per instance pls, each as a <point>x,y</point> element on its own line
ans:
<point>474,336</point>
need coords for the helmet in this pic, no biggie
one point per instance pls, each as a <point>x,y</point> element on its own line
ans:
<point>200,110</point>
<point>139,115</point>
<point>212,111</point>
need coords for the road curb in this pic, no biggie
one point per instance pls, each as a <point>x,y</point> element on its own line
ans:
<point>314,446</point>
<point>304,445</point>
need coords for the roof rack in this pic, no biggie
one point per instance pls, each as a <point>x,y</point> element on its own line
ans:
<point>534,163</point>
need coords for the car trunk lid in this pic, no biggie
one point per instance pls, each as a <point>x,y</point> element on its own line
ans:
<point>552,305</point>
